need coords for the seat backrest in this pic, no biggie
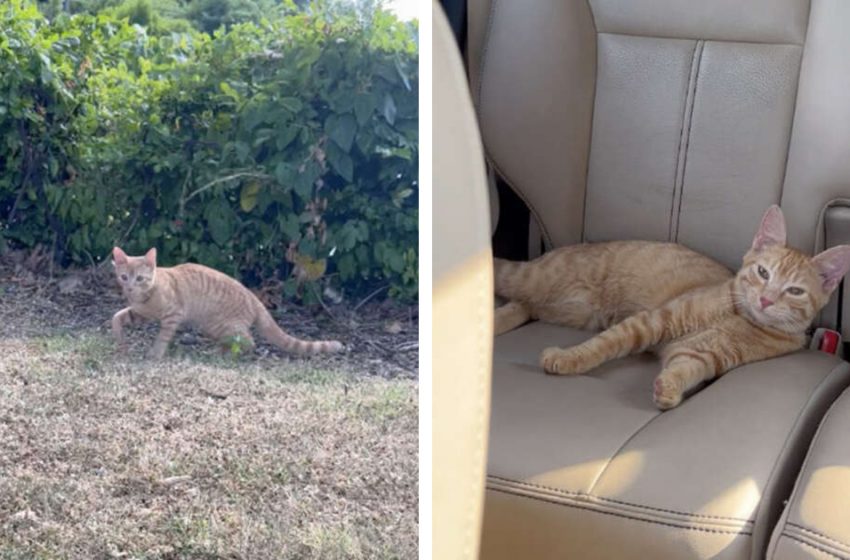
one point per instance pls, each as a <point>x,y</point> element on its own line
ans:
<point>666,119</point>
<point>462,309</point>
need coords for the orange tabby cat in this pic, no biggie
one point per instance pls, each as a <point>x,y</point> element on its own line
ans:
<point>702,320</point>
<point>213,302</point>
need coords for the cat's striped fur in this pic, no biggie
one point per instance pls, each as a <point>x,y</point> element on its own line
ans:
<point>700,319</point>
<point>213,302</point>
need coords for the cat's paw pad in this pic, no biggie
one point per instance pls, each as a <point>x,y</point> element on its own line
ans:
<point>666,393</point>
<point>557,361</point>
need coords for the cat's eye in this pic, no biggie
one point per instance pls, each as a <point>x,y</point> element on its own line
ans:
<point>139,278</point>
<point>124,277</point>
<point>795,291</point>
<point>763,272</point>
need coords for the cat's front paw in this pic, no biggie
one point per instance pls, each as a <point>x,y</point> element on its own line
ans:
<point>560,361</point>
<point>666,393</point>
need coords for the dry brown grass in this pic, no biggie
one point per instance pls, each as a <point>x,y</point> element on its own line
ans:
<point>198,457</point>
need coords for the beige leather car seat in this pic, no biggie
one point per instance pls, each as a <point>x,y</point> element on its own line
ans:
<point>816,522</point>
<point>668,120</point>
<point>462,307</point>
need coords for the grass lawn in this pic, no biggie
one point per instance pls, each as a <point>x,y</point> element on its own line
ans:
<point>199,456</point>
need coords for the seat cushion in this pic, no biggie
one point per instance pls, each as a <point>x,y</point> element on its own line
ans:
<point>816,522</point>
<point>587,467</point>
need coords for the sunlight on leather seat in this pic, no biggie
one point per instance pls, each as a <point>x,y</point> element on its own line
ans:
<point>741,500</point>
<point>623,470</point>
<point>832,482</point>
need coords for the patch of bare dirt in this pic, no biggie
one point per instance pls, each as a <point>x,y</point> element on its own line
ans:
<point>381,337</point>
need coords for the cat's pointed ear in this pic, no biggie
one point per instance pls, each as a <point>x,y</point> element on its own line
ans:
<point>119,256</point>
<point>832,265</point>
<point>150,258</point>
<point>772,229</point>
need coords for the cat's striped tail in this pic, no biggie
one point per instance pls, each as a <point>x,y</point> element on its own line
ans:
<point>509,278</point>
<point>270,331</point>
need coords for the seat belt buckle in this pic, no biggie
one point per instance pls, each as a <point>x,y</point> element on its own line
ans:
<point>826,340</point>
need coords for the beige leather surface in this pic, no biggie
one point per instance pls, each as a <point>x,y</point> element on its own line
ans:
<point>534,97</point>
<point>590,110</point>
<point>642,86</point>
<point>759,21</point>
<point>816,522</point>
<point>478,24</point>
<point>818,163</point>
<point>573,459</point>
<point>680,129</point>
<point>658,119</point>
<point>462,307</point>
<point>738,143</point>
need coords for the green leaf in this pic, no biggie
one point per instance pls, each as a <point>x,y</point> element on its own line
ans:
<point>341,162</point>
<point>400,195</point>
<point>242,150</point>
<point>304,180</point>
<point>390,109</point>
<point>290,227</point>
<point>284,174</point>
<point>341,129</point>
<point>248,196</point>
<point>364,105</point>
<point>220,219</point>
<point>307,247</point>
<point>292,104</point>
<point>347,266</point>
<point>227,90</point>
<point>285,136</point>
<point>402,74</point>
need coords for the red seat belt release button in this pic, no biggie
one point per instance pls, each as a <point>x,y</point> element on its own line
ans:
<point>826,340</point>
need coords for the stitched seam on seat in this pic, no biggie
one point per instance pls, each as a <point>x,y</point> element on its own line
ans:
<point>791,125</point>
<point>588,507</point>
<point>485,48</point>
<point>791,432</point>
<point>617,453</point>
<point>590,139</point>
<point>701,49</point>
<point>798,484</point>
<point>684,141</point>
<point>679,145</point>
<point>568,493</point>
<point>783,517</point>
<point>821,535</point>
<point>767,43</point>
<point>794,111</point>
<point>810,545</point>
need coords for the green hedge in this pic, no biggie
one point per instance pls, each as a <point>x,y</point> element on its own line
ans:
<point>288,148</point>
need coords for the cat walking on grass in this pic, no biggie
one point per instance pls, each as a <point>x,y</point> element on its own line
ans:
<point>213,302</point>
<point>700,318</point>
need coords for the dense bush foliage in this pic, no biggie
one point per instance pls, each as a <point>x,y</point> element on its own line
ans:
<point>163,15</point>
<point>285,148</point>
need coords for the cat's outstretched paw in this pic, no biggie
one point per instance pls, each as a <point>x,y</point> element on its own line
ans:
<point>560,361</point>
<point>666,393</point>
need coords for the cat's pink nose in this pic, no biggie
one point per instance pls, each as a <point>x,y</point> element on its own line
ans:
<point>765,303</point>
